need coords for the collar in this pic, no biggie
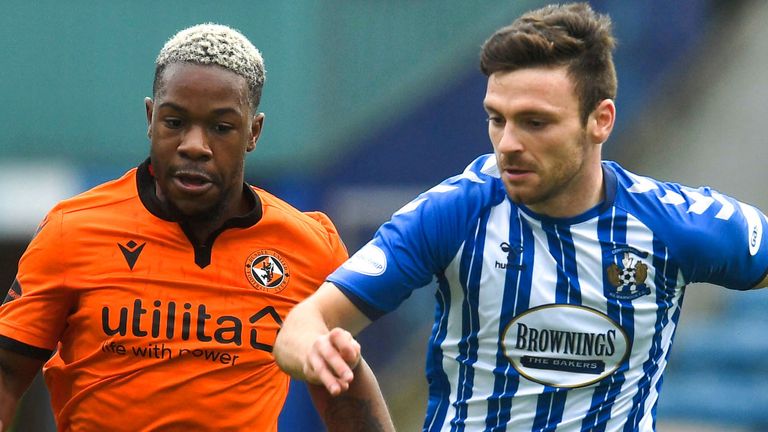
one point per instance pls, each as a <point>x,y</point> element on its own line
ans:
<point>145,184</point>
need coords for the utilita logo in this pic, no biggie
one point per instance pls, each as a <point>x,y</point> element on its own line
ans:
<point>170,320</point>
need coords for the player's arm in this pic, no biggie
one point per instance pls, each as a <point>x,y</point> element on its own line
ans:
<point>316,343</point>
<point>16,374</point>
<point>360,408</point>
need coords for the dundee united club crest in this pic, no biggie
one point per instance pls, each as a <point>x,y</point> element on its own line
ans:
<point>628,277</point>
<point>267,271</point>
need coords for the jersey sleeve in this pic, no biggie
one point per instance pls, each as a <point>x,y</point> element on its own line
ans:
<point>713,238</point>
<point>34,312</point>
<point>338,251</point>
<point>732,249</point>
<point>417,243</point>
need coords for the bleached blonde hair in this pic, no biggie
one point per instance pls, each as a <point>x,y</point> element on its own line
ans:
<point>215,44</point>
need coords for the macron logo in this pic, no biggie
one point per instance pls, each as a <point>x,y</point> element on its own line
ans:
<point>131,251</point>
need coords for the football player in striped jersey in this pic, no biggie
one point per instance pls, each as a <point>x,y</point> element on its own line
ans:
<point>560,276</point>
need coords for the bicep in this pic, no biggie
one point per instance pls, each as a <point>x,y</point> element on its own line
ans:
<point>16,374</point>
<point>18,370</point>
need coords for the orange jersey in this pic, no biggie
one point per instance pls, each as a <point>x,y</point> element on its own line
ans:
<point>152,332</point>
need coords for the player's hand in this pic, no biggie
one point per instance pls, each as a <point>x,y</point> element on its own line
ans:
<point>332,359</point>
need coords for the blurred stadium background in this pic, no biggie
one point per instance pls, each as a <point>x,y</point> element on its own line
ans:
<point>369,102</point>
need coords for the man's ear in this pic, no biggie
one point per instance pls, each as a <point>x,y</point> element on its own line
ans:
<point>256,127</point>
<point>601,121</point>
<point>149,105</point>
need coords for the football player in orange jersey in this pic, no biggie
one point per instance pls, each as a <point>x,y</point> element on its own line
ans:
<point>152,301</point>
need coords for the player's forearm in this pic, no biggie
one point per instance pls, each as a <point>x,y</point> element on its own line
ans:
<point>303,325</point>
<point>361,408</point>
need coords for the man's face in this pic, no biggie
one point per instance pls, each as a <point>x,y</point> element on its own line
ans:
<point>547,159</point>
<point>200,126</point>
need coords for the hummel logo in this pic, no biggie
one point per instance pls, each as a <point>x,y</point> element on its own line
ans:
<point>510,250</point>
<point>131,252</point>
<point>512,253</point>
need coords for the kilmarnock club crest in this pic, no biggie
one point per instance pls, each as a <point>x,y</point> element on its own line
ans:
<point>628,278</point>
<point>266,270</point>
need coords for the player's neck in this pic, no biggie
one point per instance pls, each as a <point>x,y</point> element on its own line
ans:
<point>200,230</point>
<point>583,193</point>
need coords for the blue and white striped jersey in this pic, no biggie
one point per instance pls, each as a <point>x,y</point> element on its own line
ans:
<point>553,324</point>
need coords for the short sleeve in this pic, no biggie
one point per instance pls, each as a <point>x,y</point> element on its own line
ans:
<point>35,309</point>
<point>338,251</point>
<point>712,237</point>
<point>418,242</point>
<point>731,252</point>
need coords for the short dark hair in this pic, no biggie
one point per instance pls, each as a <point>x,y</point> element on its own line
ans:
<point>571,35</point>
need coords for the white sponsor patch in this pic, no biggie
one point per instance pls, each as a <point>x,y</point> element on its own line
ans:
<point>754,228</point>
<point>369,260</point>
<point>565,345</point>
